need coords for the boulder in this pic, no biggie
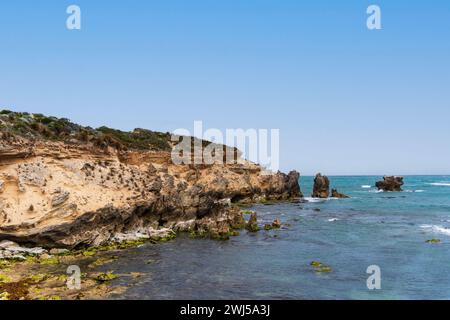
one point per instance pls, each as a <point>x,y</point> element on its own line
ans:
<point>2,186</point>
<point>321,187</point>
<point>336,194</point>
<point>391,183</point>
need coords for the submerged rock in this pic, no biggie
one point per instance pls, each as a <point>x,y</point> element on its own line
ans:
<point>391,183</point>
<point>336,194</point>
<point>321,187</point>
<point>319,267</point>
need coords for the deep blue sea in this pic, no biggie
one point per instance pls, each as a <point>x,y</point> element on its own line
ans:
<point>389,230</point>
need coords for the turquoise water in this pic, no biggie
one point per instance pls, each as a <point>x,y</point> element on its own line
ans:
<point>385,229</point>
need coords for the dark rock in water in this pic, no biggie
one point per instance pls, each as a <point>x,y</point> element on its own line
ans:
<point>292,186</point>
<point>319,267</point>
<point>336,194</point>
<point>391,183</point>
<point>252,224</point>
<point>276,224</point>
<point>321,186</point>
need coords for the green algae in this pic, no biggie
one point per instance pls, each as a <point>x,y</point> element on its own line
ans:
<point>319,267</point>
<point>105,276</point>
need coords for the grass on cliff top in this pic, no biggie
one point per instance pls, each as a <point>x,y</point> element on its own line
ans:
<point>39,126</point>
<point>60,129</point>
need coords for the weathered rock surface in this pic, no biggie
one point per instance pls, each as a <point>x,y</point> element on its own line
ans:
<point>321,187</point>
<point>336,194</point>
<point>85,195</point>
<point>391,183</point>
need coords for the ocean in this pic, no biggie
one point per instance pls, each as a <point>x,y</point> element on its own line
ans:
<point>388,230</point>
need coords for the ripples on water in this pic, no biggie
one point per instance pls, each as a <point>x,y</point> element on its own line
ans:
<point>385,229</point>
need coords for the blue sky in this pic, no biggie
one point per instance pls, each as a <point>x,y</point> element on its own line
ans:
<point>347,100</point>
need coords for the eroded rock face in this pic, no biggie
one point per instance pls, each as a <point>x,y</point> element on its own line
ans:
<point>391,183</point>
<point>336,194</point>
<point>321,187</point>
<point>85,197</point>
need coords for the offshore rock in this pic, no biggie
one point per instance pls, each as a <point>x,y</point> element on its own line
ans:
<point>336,194</point>
<point>391,183</point>
<point>321,187</point>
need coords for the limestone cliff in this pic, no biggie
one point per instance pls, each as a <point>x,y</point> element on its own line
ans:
<point>64,185</point>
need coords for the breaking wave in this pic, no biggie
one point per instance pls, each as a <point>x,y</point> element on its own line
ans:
<point>440,184</point>
<point>436,229</point>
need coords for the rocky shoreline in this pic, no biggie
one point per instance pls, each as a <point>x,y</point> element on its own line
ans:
<point>70,193</point>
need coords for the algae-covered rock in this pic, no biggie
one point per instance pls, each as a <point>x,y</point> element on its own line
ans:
<point>319,267</point>
<point>434,241</point>
<point>252,224</point>
<point>105,276</point>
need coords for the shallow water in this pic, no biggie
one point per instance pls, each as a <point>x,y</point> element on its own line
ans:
<point>385,229</point>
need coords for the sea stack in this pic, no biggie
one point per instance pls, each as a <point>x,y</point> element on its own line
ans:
<point>391,183</point>
<point>321,187</point>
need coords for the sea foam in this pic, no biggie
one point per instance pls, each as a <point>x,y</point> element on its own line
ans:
<point>436,229</point>
<point>310,199</point>
<point>440,184</point>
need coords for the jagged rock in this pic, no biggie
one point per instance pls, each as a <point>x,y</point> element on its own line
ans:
<point>321,187</point>
<point>2,186</point>
<point>60,197</point>
<point>336,194</point>
<point>391,183</point>
<point>252,224</point>
<point>292,185</point>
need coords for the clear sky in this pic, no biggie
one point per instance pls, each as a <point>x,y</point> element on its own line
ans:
<point>347,100</point>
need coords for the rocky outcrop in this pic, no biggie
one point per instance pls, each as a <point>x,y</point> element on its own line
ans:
<point>336,194</point>
<point>321,187</point>
<point>82,194</point>
<point>391,183</point>
<point>252,224</point>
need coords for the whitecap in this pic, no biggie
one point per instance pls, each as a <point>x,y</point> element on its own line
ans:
<point>439,184</point>
<point>310,199</point>
<point>436,229</point>
<point>366,186</point>
<point>415,191</point>
<point>332,219</point>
